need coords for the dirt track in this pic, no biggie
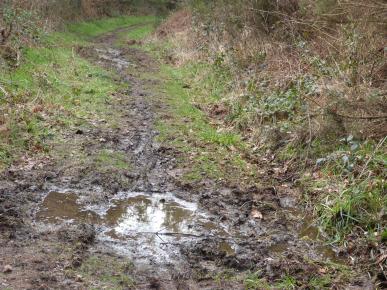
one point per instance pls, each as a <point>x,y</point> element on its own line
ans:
<point>207,230</point>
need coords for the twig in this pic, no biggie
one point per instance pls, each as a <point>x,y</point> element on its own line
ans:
<point>310,136</point>
<point>157,234</point>
<point>247,202</point>
<point>177,234</point>
<point>201,236</point>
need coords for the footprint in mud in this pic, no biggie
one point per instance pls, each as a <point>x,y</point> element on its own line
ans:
<point>148,227</point>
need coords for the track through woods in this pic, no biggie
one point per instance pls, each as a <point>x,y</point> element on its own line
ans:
<point>115,213</point>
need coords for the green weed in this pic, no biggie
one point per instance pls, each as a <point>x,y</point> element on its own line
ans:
<point>318,283</point>
<point>255,282</point>
<point>356,169</point>
<point>106,158</point>
<point>288,282</point>
<point>111,273</point>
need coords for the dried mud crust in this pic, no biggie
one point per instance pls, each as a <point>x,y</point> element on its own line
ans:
<point>257,218</point>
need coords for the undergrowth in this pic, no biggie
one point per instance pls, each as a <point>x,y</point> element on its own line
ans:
<point>301,88</point>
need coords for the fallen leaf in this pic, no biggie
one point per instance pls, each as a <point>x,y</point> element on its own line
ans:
<point>256,214</point>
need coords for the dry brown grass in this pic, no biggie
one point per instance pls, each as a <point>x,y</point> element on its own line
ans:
<point>178,22</point>
<point>338,44</point>
<point>63,10</point>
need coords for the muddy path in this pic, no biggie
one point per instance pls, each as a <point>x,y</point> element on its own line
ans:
<point>74,225</point>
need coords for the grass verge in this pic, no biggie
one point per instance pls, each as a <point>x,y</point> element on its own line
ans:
<point>89,29</point>
<point>54,89</point>
<point>210,152</point>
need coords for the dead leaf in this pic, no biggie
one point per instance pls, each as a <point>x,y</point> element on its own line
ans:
<point>381,259</point>
<point>322,271</point>
<point>256,214</point>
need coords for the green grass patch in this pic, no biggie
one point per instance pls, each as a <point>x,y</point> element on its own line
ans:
<point>90,29</point>
<point>254,282</point>
<point>210,151</point>
<point>107,158</point>
<point>107,273</point>
<point>54,89</point>
<point>352,182</point>
<point>135,33</point>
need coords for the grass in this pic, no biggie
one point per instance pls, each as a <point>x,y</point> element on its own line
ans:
<point>345,178</point>
<point>54,89</point>
<point>137,33</point>
<point>90,29</point>
<point>107,158</point>
<point>107,273</point>
<point>254,281</point>
<point>353,179</point>
<point>224,276</point>
<point>343,181</point>
<point>211,153</point>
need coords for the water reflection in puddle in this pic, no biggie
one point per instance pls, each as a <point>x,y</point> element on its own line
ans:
<point>137,223</point>
<point>151,214</point>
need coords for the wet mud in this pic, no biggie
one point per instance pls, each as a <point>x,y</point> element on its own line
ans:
<point>56,216</point>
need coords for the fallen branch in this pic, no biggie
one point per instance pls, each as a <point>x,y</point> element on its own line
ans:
<point>178,234</point>
<point>201,236</point>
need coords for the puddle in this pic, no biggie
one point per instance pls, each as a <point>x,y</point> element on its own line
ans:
<point>311,232</point>
<point>139,225</point>
<point>59,207</point>
<point>113,56</point>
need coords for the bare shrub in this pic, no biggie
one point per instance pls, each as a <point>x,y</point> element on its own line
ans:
<point>330,53</point>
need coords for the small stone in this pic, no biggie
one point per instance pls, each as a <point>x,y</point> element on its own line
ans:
<point>7,269</point>
<point>78,278</point>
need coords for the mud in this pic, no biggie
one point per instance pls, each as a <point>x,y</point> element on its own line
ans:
<point>144,227</point>
<point>57,215</point>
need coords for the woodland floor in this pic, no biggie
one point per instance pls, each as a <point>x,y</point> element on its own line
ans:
<point>125,218</point>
